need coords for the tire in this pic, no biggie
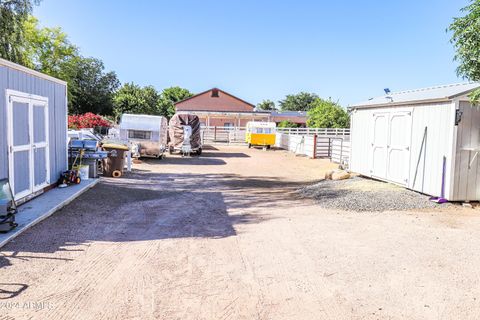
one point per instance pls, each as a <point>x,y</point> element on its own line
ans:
<point>268,147</point>
<point>170,150</point>
<point>116,174</point>
<point>249,145</point>
<point>78,180</point>
<point>199,152</point>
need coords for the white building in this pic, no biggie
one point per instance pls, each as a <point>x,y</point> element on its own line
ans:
<point>421,139</point>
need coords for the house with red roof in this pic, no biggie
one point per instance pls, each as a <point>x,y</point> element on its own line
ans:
<point>218,108</point>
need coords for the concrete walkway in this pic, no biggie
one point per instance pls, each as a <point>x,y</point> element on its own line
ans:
<point>34,211</point>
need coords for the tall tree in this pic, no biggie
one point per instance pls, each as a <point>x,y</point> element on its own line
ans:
<point>327,114</point>
<point>466,39</point>
<point>170,96</point>
<point>46,49</point>
<point>266,105</point>
<point>298,102</point>
<point>92,88</point>
<point>13,14</point>
<point>131,98</point>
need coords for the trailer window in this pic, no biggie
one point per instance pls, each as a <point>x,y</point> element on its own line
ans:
<point>139,134</point>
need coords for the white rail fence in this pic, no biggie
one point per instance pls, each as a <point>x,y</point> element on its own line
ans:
<point>330,143</point>
<point>317,131</point>
<point>223,134</point>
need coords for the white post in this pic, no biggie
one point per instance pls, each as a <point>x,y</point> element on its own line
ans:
<point>129,161</point>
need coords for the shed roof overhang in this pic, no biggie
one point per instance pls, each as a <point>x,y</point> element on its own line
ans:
<point>439,94</point>
<point>29,71</point>
<point>399,104</point>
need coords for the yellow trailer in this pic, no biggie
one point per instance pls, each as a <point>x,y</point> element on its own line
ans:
<point>260,134</point>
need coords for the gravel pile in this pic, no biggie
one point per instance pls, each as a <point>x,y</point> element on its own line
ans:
<point>361,194</point>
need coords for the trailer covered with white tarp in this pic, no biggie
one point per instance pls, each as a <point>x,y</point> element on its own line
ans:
<point>426,140</point>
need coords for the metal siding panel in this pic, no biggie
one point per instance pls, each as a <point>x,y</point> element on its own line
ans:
<point>437,119</point>
<point>458,158</point>
<point>60,128</point>
<point>464,141</point>
<point>3,124</point>
<point>473,141</point>
<point>468,135</point>
<point>50,88</point>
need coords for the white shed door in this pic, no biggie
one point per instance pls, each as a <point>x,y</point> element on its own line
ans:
<point>398,162</point>
<point>27,143</point>
<point>379,145</point>
<point>390,159</point>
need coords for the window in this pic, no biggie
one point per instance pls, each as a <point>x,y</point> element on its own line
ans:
<point>263,130</point>
<point>139,134</point>
<point>215,93</point>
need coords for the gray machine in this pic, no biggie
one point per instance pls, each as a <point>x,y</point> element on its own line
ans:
<point>8,209</point>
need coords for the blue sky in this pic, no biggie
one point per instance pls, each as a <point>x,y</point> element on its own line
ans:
<point>346,50</point>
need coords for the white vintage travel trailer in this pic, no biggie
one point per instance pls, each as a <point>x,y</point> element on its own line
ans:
<point>148,132</point>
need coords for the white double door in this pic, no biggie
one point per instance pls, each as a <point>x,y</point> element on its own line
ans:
<point>391,137</point>
<point>28,149</point>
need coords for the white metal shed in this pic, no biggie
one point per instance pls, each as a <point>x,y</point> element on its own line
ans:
<point>420,139</point>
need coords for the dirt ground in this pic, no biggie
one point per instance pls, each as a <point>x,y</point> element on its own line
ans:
<point>225,236</point>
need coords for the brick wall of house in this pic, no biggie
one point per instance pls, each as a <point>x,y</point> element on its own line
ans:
<point>221,122</point>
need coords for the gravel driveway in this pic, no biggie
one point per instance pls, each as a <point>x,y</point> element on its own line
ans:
<point>227,236</point>
<point>363,194</point>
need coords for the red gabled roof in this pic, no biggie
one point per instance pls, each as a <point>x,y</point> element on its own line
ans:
<point>204,102</point>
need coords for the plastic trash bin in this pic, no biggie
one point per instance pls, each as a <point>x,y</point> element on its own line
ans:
<point>114,163</point>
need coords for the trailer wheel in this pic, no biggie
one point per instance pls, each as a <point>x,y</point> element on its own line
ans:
<point>269,146</point>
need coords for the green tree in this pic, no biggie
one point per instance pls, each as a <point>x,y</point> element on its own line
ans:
<point>327,114</point>
<point>298,102</point>
<point>91,88</point>
<point>288,124</point>
<point>466,39</point>
<point>46,49</point>
<point>131,98</point>
<point>170,96</point>
<point>267,105</point>
<point>13,14</point>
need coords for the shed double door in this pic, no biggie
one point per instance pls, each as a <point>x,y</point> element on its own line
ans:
<point>390,153</point>
<point>28,150</point>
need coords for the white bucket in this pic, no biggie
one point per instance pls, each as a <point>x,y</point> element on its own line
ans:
<point>84,172</point>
